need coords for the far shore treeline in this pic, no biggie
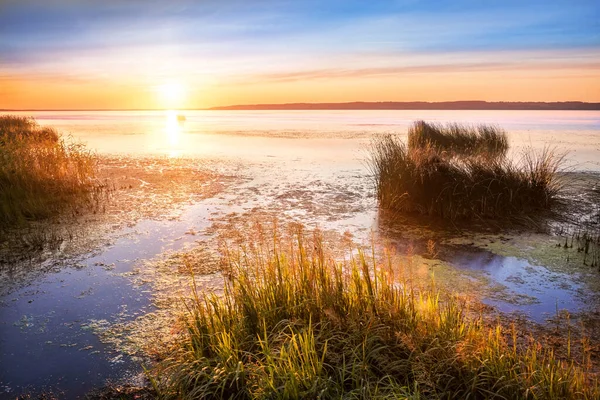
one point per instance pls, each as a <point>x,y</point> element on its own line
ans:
<point>421,105</point>
<point>379,105</point>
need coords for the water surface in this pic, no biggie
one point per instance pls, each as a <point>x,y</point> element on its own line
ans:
<point>296,165</point>
<point>327,136</point>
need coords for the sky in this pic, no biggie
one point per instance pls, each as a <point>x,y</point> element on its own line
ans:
<point>97,54</point>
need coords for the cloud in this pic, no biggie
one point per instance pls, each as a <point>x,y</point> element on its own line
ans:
<point>238,41</point>
<point>426,69</point>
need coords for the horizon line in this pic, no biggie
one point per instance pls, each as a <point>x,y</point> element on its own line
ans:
<point>278,106</point>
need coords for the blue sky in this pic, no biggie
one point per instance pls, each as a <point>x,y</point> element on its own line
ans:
<point>219,43</point>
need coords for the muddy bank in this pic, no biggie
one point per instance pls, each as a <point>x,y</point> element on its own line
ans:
<point>55,293</point>
<point>101,302</point>
<point>136,189</point>
<point>106,300</point>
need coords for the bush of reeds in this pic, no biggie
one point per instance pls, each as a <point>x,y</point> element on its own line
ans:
<point>15,128</point>
<point>454,138</point>
<point>294,324</point>
<point>425,181</point>
<point>41,174</point>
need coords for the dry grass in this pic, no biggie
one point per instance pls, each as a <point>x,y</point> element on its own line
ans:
<point>453,138</point>
<point>41,174</point>
<point>423,180</point>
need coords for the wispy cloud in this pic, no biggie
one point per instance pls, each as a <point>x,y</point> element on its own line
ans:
<point>423,69</point>
<point>237,41</point>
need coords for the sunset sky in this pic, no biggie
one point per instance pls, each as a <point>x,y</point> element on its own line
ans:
<point>191,54</point>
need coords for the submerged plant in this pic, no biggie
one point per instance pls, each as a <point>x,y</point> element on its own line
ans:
<point>294,324</point>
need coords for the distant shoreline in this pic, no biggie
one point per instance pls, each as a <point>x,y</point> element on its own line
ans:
<point>383,105</point>
<point>420,105</point>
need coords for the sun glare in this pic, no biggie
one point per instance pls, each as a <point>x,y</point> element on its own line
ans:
<point>171,94</point>
<point>173,132</point>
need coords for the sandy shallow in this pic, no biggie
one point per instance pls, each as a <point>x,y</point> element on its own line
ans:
<point>96,299</point>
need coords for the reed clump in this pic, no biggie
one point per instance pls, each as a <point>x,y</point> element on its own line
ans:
<point>15,128</point>
<point>295,324</point>
<point>434,180</point>
<point>588,243</point>
<point>480,140</point>
<point>41,174</point>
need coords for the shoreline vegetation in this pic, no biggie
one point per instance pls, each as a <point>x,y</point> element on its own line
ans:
<point>459,140</point>
<point>295,320</point>
<point>41,173</point>
<point>458,172</point>
<point>293,323</point>
<point>420,105</point>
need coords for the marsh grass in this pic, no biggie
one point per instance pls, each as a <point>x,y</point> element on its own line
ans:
<point>454,138</point>
<point>579,227</point>
<point>425,181</point>
<point>42,174</point>
<point>295,324</point>
<point>15,128</point>
<point>588,244</point>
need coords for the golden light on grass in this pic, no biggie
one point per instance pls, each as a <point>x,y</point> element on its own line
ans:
<point>294,322</point>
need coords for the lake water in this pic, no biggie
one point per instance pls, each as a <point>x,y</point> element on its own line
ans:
<point>302,165</point>
<point>337,137</point>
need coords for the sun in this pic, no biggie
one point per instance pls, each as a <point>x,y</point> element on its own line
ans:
<point>171,94</point>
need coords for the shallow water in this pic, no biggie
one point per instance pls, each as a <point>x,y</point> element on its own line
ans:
<point>296,166</point>
<point>47,327</point>
<point>540,293</point>
<point>327,136</point>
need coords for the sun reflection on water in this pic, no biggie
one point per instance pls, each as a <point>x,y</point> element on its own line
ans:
<point>173,131</point>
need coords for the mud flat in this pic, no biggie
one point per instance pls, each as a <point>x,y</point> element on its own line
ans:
<point>63,280</point>
<point>103,297</point>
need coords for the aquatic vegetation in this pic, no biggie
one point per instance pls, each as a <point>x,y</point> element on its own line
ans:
<point>454,138</point>
<point>579,233</point>
<point>15,128</point>
<point>294,323</point>
<point>444,184</point>
<point>122,392</point>
<point>587,243</point>
<point>41,174</point>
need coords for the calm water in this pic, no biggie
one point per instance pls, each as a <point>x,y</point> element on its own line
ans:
<point>324,136</point>
<point>307,165</point>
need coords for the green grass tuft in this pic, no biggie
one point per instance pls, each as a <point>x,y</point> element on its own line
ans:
<point>294,324</point>
<point>428,181</point>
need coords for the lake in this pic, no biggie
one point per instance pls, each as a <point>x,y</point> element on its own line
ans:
<point>330,137</point>
<point>305,166</point>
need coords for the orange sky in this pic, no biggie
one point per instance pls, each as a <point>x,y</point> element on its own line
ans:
<point>511,85</point>
<point>58,54</point>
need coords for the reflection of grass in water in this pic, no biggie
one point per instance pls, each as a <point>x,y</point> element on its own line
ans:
<point>40,173</point>
<point>447,184</point>
<point>292,323</point>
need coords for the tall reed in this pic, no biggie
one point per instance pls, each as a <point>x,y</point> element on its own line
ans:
<point>424,181</point>
<point>41,174</point>
<point>454,138</point>
<point>295,324</point>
